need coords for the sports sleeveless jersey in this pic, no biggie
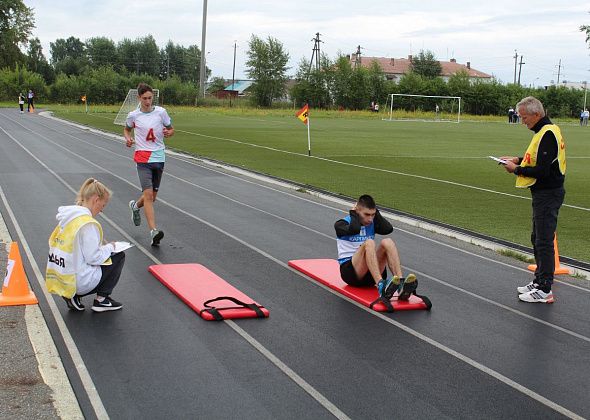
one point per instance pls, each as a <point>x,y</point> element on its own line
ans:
<point>149,134</point>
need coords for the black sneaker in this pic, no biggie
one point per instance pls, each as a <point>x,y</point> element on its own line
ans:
<point>107,304</point>
<point>409,286</point>
<point>74,303</point>
<point>156,236</point>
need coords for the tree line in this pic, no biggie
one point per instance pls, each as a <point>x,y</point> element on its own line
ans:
<point>103,71</point>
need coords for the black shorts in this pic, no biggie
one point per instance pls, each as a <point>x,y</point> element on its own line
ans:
<point>349,276</point>
<point>150,175</point>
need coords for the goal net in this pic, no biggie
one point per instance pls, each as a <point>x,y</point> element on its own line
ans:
<point>132,103</point>
<point>429,108</point>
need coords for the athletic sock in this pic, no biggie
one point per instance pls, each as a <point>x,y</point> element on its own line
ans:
<point>100,298</point>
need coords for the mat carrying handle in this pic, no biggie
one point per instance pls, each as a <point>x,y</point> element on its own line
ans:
<point>217,315</point>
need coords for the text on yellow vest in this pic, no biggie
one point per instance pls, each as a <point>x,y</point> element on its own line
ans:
<point>60,275</point>
<point>530,156</point>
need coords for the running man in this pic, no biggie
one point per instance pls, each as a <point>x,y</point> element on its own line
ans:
<point>150,125</point>
<point>363,262</point>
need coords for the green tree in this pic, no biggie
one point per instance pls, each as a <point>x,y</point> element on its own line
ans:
<point>312,87</point>
<point>216,84</point>
<point>341,82</point>
<point>16,25</point>
<point>426,65</point>
<point>68,55</point>
<point>20,79</point>
<point>267,66</point>
<point>36,61</point>
<point>101,51</point>
<point>376,83</point>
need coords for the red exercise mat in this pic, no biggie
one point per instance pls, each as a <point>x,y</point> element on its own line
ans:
<point>206,293</point>
<point>327,272</point>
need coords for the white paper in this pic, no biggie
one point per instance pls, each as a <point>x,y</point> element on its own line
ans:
<point>502,161</point>
<point>122,246</point>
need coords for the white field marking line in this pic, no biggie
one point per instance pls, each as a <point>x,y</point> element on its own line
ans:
<point>354,165</point>
<point>365,167</point>
<point>87,383</point>
<point>513,384</point>
<point>191,160</point>
<point>308,388</point>
<point>434,157</point>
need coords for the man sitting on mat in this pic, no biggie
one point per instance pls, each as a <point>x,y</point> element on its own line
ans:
<point>363,262</point>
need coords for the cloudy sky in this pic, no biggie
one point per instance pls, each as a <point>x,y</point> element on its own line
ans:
<point>486,33</point>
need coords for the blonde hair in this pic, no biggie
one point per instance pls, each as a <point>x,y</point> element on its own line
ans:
<point>92,187</point>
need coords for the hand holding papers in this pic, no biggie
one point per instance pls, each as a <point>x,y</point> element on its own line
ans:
<point>500,161</point>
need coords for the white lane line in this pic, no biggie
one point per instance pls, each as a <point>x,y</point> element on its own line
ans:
<point>91,390</point>
<point>194,161</point>
<point>513,384</point>
<point>79,365</point>
<point>442,282</point>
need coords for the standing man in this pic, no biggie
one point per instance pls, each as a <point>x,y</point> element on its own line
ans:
<point>510,115</point>
<point>150,125</point>
<point>362,262</point>
<point>542,170</point>
<point>30,97</point>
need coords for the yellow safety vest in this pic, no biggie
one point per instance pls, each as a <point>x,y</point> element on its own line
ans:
<point>60,275</point>
<point>530,157</point>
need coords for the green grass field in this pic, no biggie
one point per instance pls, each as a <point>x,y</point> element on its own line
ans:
<point>436,170</point>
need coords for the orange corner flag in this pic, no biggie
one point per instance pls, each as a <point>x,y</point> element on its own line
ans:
<point>303,113</point>
<point>15,289</point>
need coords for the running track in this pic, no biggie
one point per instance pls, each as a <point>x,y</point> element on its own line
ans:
<point>479,353</point>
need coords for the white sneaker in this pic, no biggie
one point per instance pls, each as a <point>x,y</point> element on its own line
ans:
<point>524,289</point>
<point>537,296</point>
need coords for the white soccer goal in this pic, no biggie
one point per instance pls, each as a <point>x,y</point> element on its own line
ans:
<point>429,108</point>
<point>132,103</point>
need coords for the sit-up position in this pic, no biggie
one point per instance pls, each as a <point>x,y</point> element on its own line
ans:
<point>362,262</point>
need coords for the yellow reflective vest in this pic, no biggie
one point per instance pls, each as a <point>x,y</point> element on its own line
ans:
<point>530,157</point>
<point>60,275</point>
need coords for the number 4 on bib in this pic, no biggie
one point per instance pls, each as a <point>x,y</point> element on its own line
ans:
<point>150,135</point>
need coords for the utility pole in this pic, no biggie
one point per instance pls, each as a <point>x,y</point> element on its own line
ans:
<point>585,91</point>
<point>315,53</point>
<point>168,66</point>
<point>203,68</point>
<point>233,74</point>
<point>357,60</point>
<point>520,68</point>
<point>515,60</point>
<point>558,71</point>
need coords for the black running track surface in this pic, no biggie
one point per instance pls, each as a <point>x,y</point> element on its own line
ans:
<point>480,353</point>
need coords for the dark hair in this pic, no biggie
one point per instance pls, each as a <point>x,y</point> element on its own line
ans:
<point>143,88</point>
<point>367,201</point>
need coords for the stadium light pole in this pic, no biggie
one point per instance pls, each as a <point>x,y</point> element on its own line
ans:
<point>202,68</point>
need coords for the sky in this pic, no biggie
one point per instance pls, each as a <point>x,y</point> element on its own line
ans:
<point>485,33</point>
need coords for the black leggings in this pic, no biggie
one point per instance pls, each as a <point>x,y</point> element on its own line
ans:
<point>110,275</point>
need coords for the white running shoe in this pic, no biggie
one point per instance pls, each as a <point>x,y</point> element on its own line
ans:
<point>537,296</point>
<point>524,289</point>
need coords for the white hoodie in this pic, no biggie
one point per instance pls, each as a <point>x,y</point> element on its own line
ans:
<point>89,254</point>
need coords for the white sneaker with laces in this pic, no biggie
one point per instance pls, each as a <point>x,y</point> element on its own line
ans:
<point>524,289</point>
<point>537,296</point>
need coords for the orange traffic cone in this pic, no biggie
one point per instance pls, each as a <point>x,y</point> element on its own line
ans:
<point>558,268</point>
<point>15,289</point>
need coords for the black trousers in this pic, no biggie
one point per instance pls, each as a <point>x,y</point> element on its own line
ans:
<point>546,204</point>
<point>110,275</point>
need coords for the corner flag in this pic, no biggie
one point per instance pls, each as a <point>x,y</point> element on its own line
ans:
<point>303,113</point>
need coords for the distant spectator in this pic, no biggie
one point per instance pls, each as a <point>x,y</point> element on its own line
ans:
<point>510,115</point>
<point>30,97</point>
<point>581,117</point>
<point>376,108</point>
<point>21,102</point>
<point>585,116</point>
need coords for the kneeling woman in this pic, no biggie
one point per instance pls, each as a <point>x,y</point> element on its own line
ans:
<point>79,262</point>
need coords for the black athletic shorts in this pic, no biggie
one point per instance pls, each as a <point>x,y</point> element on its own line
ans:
<point>348,274</point>
<point>150,175</point>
